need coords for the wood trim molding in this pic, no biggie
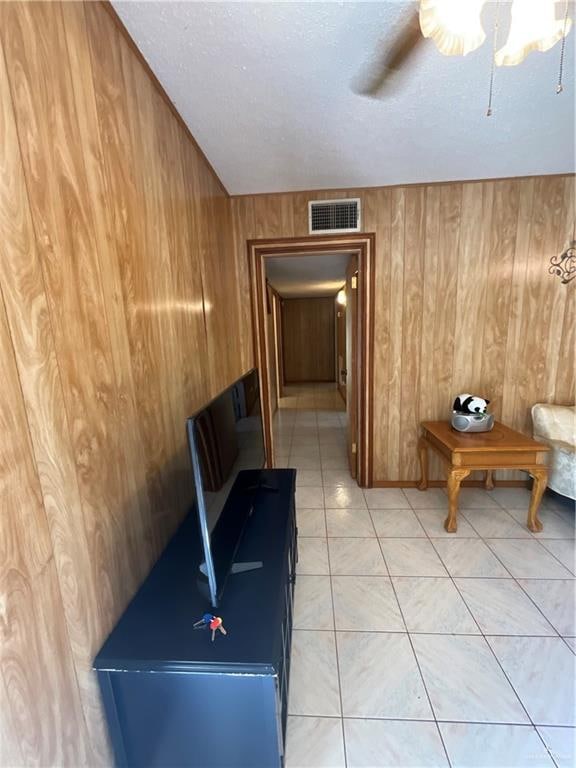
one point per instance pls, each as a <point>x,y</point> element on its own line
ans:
<point>442,484</point>
<point>363,244</point>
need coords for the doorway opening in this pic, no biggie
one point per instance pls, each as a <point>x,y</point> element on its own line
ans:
<point>312,302</point>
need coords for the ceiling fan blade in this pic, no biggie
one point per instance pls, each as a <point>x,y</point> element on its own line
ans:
<point>391,58</point>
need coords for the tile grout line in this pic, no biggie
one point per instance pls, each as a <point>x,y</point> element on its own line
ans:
<point>442,720</point>
<point>515,581</point>
<point>336,642</point>
<point>533,535</point>
<point>430,538</point>
<point>511,576</point>
<point>415,656</point>
<point>341,718</point>
<point>480,628</point>
<point>412,632</point>
<point>486,642</point>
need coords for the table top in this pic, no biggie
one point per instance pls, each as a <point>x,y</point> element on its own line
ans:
<point>500,438</point>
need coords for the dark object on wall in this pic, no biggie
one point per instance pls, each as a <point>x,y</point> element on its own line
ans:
<point>564,265</point>
<point>174,698</point>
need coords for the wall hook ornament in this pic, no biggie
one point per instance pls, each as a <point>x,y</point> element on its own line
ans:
<point>564,265</point>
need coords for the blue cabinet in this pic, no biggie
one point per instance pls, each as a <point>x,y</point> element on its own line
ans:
<point>174,698</point>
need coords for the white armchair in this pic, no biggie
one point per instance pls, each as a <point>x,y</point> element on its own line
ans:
<point>556,426</point>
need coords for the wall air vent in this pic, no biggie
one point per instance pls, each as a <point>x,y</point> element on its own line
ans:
<point>329,216</point>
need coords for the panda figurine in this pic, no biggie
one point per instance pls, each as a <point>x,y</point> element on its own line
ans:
<point>469,414</point>
<point>470,404</point>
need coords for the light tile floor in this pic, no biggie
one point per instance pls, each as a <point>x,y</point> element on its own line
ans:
<point>414,648</point>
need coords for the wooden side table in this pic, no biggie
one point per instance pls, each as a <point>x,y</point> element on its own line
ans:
<point>464,452</point>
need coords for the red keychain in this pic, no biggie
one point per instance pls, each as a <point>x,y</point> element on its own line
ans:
<point>215,624</point>
<point>209,620</point>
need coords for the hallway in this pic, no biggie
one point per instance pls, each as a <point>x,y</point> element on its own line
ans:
<point>312,397</point>
<point>310,435</point>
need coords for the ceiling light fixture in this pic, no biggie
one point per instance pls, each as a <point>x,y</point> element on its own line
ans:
<point>533,27</point>
<point>456,27</point>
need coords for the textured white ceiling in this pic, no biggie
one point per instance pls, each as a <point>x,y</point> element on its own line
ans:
<point>314,275</point>
<point>265,89</point>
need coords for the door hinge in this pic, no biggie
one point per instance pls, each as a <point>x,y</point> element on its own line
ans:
<point>354,282</point>
<point>354,448</point>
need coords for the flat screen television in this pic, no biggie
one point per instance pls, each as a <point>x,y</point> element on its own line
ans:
<point>224,438</point>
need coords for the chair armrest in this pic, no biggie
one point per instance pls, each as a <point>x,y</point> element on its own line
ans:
<point>555,422</point>
<point>557,445</point>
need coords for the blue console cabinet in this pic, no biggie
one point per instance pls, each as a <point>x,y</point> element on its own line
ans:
<point>174,698</point>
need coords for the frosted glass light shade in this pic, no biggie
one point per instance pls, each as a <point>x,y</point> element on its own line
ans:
<point>454,25</point>
<point>533,27</point>
<point>341,297</point>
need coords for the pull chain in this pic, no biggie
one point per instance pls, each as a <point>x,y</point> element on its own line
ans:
<point>493,63</point>
<point>560,87</point>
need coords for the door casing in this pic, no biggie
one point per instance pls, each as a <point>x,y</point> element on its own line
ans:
<point>363,246</point>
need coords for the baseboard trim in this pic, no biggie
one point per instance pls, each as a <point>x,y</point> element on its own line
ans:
<point>442,483</point>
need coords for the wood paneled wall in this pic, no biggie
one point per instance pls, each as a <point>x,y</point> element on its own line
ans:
<point>340,310</point>
<point>124,306</point>
<point>464,300</point>
<point>119,315</point>
<point>308,339</point>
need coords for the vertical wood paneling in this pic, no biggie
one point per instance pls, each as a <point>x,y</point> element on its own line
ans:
<point>135,517</point>
<point>472,265</point>
<point>35,660</point>
<point>539,344</point>
<point>61,209</point>
<point>396,301</point>
<point>120,314</point>
<point>22,284</point>
<point>133,217</point>
<point>463,300</point>
<point>498,281</point>
<point>513,397</point>
<point>377,219</point>
<point>565,374</point>
<point>10,752</point>
<point>243,228</point>
<point>412,290</point>
<point>308,339</point>
<point>431,247</point>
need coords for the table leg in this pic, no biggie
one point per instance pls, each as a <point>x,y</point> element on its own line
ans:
<point>455,477</point>
<point>489,480</point>
<point>540,477</point>
<point>423,453</point>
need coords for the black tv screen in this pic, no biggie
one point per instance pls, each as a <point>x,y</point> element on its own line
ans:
<point>224,438</point>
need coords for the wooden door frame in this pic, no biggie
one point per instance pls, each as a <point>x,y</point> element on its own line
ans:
<point>363,244</point>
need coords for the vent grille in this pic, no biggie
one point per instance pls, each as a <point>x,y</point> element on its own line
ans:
<point>334,216</point>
